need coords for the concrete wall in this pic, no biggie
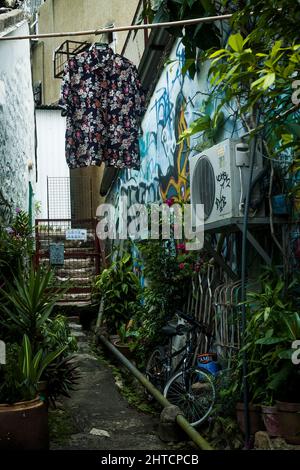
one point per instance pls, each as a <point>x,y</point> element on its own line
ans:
<point>17,124</point>
<point>74,15</point>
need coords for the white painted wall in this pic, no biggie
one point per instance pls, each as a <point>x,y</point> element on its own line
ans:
<point>17,126</point>
<point>51,161</point>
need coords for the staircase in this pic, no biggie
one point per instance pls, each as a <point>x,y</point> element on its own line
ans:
<point>80,260</point>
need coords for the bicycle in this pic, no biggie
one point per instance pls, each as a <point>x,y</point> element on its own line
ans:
<point>189,387</point>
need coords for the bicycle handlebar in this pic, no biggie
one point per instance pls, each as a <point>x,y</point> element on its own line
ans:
<point>192,321</point>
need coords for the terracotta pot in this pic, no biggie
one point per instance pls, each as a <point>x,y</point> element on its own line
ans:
<point>123,348</point>
<point>289,421</point>
<point>24,426</point>
<point>256,422</point>
<point>270,417</point>
<point>287,406</point>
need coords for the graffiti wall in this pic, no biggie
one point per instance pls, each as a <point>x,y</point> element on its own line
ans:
<point>164,171</point>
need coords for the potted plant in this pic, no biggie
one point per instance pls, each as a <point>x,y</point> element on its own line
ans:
<point>38,370</point>
<point>119,287</point>
<point>272,327</point>
<point>286,380</point>
<point>126,341</point>
<point>23,415</point>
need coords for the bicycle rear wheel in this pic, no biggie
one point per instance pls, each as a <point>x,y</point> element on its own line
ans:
<point>193,392</point>
<point>155,369</point>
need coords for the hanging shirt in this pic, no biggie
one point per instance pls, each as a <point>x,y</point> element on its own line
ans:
<point>101,96</point>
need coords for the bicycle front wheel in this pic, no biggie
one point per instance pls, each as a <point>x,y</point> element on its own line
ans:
<point>155,369</point>
<point>193,392</point>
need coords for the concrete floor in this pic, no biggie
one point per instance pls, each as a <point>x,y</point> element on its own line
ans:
<point>101,417</point>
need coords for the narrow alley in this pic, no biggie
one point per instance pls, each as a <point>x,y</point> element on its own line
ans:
<point>98,417</point>
<point>150,229</point>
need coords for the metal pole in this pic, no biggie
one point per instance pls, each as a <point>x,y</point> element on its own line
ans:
<point>244,296</point>
<point>180,419</point>
<point>207,19</point>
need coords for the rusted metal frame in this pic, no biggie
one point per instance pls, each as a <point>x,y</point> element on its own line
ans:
<point>220,260</point>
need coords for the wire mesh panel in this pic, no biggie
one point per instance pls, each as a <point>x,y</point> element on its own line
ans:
<point>70,198</point>
<point>58,198</point>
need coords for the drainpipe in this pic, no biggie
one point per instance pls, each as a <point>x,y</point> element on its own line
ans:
<point>180,419</point>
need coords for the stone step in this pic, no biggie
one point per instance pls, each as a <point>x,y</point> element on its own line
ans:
<point>82,281</point>
<point>88,247</point>
<point>73,304</point>
<point>74,326</point>
<point>74,319</point>
<point>75,263</point>
<point>76,273</point>
<point>77,297</point>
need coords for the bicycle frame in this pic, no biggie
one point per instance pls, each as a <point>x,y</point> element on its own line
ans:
<point>187,359</point>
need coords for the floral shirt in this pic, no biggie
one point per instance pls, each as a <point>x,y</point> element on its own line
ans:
<point>101,96</point>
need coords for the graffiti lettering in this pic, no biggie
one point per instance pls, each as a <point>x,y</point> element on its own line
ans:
<point>221,203</point>
<point>223,179</point>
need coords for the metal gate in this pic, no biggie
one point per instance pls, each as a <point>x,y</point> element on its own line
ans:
<point>73,250</point>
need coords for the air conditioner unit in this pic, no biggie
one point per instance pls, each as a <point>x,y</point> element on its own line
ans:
<point>219,178</point>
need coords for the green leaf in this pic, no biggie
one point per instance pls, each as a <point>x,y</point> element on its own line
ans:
<point>264,82</point>
<point>294,128</point>
<point>188,63</point>
<point>215,54</point>
<point>267,313</point>
<point>287,354</point>
<point>268,340</point>
<point>275,48</point>
<point>27,355</point>
<point>236,42</point>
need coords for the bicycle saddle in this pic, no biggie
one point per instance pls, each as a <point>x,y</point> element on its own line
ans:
<point>170,330</point>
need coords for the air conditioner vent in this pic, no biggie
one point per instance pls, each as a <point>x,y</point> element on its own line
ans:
<point>204,185</point>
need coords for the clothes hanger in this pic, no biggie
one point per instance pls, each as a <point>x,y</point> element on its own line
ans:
<point>99,45</point>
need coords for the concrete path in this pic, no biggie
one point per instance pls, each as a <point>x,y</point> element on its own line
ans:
<point>101,417</point>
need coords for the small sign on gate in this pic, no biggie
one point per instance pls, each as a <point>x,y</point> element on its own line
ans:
<point>57,253</point>
<point>76,234</point>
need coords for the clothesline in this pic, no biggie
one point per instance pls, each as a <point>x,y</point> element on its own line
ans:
<point>135,27</point>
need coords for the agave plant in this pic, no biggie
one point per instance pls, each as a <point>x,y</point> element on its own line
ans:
<point>27,305</point>
<point>32,366</point>
<point>24,370</point>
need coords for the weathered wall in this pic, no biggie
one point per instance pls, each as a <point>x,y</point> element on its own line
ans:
<point>17,124</point>
<point>74,15</point>
<point>174,104</point>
